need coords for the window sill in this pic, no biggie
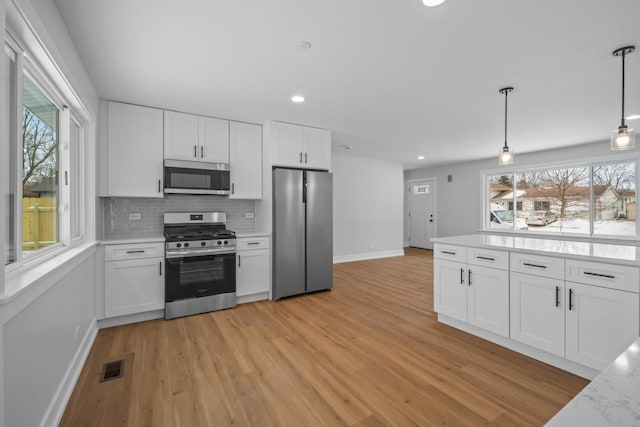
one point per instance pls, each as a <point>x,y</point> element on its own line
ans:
<point>45,273</point>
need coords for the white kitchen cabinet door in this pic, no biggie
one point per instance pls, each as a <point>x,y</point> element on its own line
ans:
<point>134,152</point>
<point>181,136</point>
<point>213,140</point>
<point>252,272</point>
<point>316,144</point>
<point>133,286</point>
<point>601,323</point>
<point>286,145</point>
<point>537,312</point>
<point>488,299</point>
<point>245,157</point>
<point>450,289</point>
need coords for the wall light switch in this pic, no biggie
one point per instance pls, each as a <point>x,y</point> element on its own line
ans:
<point>135,216</point>
<point>249,215</point>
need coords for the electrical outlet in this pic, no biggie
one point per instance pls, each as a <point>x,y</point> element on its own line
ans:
<point>135,216</point>
<point>249,215</point>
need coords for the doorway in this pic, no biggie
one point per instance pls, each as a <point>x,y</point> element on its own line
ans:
<point>422,212</point>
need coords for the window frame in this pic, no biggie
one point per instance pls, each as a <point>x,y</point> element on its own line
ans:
<point>26,66</point>
<point>590,163</point>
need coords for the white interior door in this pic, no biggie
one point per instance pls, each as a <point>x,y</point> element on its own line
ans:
<point>422,213</point>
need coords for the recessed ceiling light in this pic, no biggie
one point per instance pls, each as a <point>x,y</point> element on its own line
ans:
<point>420,157</point>
<point>432,3</point>
<point>297,98</point>
<point>633,117</point>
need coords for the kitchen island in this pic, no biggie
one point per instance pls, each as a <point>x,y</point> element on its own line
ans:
<point>611,399</point>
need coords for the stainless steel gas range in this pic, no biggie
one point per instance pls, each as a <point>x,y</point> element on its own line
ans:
<point>200,263</point>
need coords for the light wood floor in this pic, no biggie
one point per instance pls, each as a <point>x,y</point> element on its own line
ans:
<point>368,353</point>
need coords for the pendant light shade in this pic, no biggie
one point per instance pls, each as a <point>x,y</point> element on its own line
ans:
<point>623,137</point>
<point>506,156</point>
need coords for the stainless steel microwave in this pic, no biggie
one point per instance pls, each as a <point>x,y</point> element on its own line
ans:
<point>185,177</point>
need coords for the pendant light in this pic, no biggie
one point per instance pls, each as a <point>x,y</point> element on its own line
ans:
<point>505,157</point>
<point>622,138</point>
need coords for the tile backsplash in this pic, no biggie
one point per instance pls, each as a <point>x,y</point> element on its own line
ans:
<point>116,210</point>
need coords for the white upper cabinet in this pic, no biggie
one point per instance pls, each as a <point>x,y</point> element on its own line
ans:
<point>195,138</point>
<point>245,164</point>
<point>134,151</point>
<point>300,146</point>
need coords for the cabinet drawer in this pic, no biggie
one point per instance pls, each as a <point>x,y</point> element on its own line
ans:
<point>133,251</point>
<point>624,278</point>
<point>488,258</point>
<point>249,243</point>
<point>544,266</point>
<point>450,252</point>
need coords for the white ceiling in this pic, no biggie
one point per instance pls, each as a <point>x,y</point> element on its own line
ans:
<point>392,78</point>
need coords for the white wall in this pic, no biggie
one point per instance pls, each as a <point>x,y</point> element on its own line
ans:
<point>459,201</point>
<point>367,208</point>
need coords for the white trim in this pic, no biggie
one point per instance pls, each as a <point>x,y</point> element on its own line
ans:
<point>58,404</point>
<point>131,318</point>
<point>337,259</point>
<point>260,296</point>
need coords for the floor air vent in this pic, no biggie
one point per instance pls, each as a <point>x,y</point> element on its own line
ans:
<point>112,370</point>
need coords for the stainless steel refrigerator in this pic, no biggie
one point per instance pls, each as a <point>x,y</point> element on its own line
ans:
<point>302,231</point>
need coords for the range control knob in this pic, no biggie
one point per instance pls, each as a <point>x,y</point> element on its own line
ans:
<point>203,244</point>
<point>186,245</point>
<point>178,245</point>
<point>226,242</point>
<point>219,242</point>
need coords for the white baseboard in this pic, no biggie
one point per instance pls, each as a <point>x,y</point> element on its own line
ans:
<point>131,318</point>
<point>58,404</point>
<point>253,297</point>
<point>368,255</point>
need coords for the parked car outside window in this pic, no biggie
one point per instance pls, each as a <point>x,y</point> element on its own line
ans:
<point>540,218</point>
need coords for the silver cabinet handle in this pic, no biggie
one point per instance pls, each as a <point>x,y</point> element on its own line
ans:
<point>202,151</point>
<point>448,253</point>
<point>253,243</point>
<point>161,268</point>
<point>301,157</point>
<point>195,151</point>
<point>461,276</point>
<point>570,299</point>
<point>159,186</point>
<point>136,252</point>
<point>305,158</point>
<point>239,260</point>
<point>486,258</point>
<point>233,188</point>
<point>557,296</point>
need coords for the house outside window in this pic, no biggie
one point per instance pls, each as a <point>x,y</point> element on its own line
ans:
<point>596,199</point>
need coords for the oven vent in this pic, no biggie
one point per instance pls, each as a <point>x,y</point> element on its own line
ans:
<point>112,370</point>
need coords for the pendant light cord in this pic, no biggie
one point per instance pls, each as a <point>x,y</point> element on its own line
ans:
<point>506,92</point>
<point>622,119</point>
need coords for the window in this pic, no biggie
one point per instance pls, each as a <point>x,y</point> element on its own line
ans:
<point>421,189</point>
<point>42,166</point>
<point>596,199</point>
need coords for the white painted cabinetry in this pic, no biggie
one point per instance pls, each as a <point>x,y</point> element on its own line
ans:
<point>252,268</point>
<point>245,160</point>
<point>472,285</point>
<point>602,312</point>
<point>300,146</point>
<point>195,138</point>
<point>134,278</point>
<point>134,151</point>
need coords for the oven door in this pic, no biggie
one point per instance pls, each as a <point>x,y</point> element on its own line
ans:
<point>184,177</point>
<point>200,276</point>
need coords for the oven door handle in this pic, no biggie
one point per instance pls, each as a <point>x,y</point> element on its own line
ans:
<point>204,252</point>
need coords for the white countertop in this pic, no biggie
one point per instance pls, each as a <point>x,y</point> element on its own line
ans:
<point>240,235</point>
<point>590,251</point>
<point>611,399</point>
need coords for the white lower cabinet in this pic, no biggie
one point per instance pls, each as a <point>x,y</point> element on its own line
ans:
<point>252,266</point>
<point>134,278</point>
<point>600,323</point>
<point>470,291</point>
<point>537,312</point>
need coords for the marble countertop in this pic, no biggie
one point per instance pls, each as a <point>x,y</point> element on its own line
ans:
<point>155,239</point>
<point>589,251</point>
<point>251,234</point>
<point>611,399</point>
